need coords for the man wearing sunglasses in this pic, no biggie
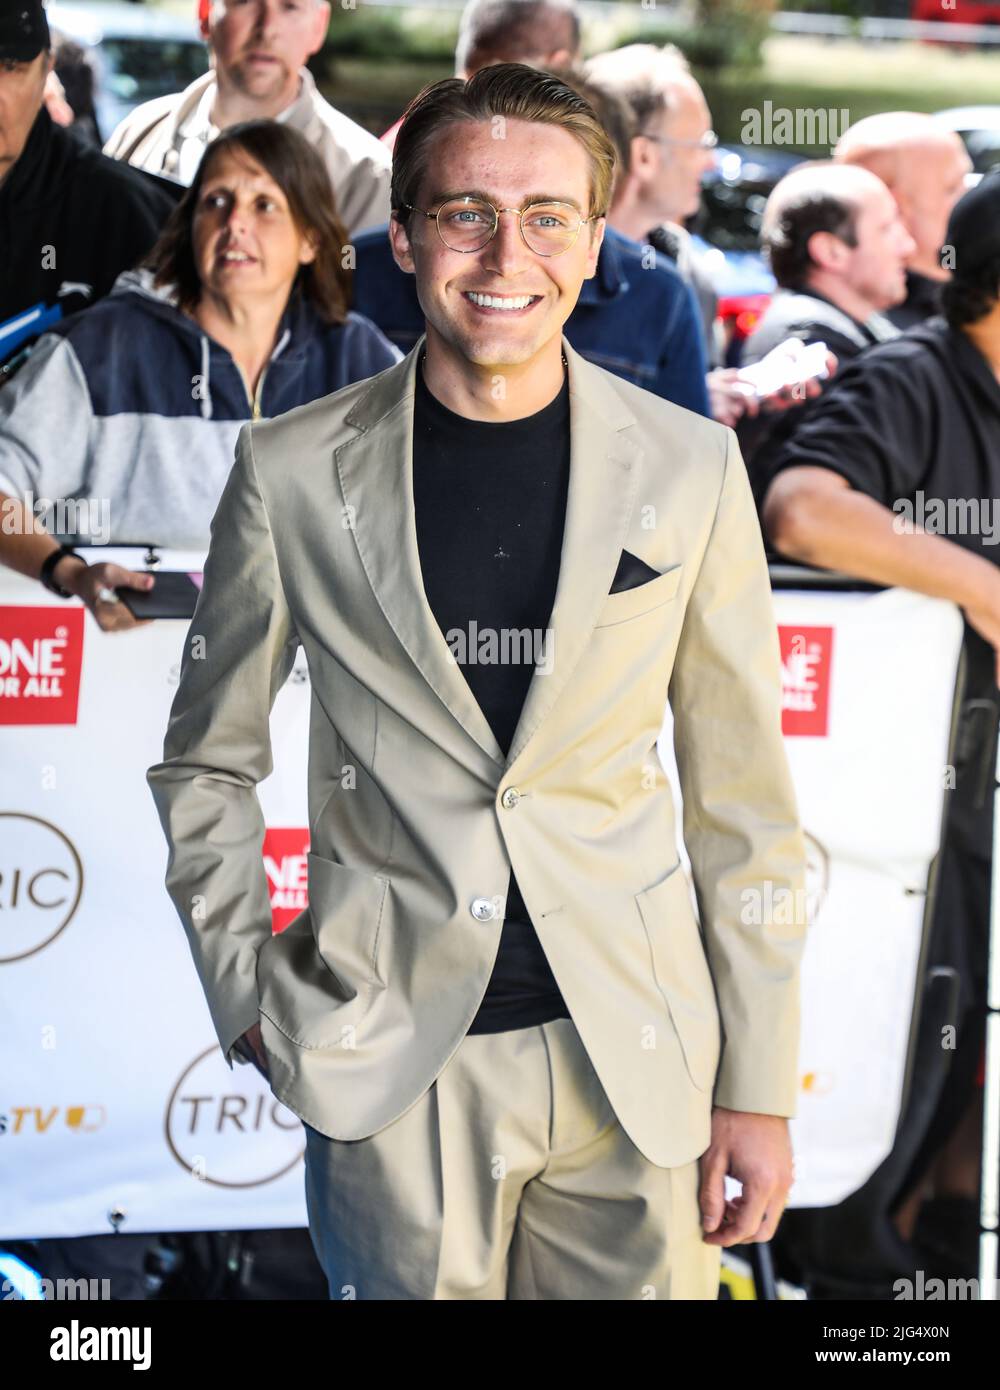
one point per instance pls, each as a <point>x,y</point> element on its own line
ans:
<point>522,1072</point>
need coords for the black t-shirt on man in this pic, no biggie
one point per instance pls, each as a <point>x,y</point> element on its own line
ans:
<point>490,504</point>
<point>915,424</point>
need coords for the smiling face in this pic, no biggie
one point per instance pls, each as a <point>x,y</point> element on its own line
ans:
<point>244,236</point>
<point>260,45</point>
<point>501,305</point>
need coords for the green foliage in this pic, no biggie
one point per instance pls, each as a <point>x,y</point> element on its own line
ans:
<point>707,50</point>
<point>385,35</point>
<point>851,9</point>
<point>730,94</point>
<point>729,34</point>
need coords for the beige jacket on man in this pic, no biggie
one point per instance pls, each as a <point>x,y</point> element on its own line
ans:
<point>167,136</point>
<point>417,818</point>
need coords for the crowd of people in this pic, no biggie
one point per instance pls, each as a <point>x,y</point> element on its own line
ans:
<point>228,257</point>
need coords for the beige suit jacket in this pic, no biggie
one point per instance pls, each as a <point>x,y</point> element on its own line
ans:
<point>416,817</point>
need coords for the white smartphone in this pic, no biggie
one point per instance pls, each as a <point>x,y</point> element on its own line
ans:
<point>791,363</point>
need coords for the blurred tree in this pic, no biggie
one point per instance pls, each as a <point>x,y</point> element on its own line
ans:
<point>738,11</point>
<point>741,26</point>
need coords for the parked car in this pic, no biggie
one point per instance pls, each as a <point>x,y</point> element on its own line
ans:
<point>979,127</point>
<point>727,232</point>
<point>136,53</point>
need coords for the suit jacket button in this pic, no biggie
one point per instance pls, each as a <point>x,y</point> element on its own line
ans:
<point>510,798</point>
<point>483,909</point>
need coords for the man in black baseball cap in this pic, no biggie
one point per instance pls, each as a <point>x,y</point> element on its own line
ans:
<point>24,36</point>
<point>71,220</point>
<point>24,30</point>
<point>895,477</point>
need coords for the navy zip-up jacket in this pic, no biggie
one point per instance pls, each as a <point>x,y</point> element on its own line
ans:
<point>133,408</point>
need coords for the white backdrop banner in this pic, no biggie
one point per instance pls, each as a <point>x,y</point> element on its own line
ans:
<point>116,1106</point>
<point>114,1095</point>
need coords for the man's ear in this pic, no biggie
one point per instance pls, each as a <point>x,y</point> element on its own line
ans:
<point>321,23</point>
<point>594,250</point>
<point>826,251</point>
<point>402,251</point>
<point>643,160</point>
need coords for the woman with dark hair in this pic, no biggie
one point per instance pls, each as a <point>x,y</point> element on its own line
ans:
<point>132,409</point>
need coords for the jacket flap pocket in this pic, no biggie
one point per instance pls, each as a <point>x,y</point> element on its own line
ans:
<point>682,972</point>
<point>318,975</point>
<point>630,603</point>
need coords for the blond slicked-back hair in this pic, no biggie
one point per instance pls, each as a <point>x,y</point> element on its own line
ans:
<point>512,91</point>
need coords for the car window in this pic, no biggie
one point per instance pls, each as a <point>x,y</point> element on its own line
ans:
<point>731,213</point>
<point>984,149</point>
<point>140,69</point>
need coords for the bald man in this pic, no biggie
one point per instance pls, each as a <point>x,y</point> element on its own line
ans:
<point>836,242</point>
<point>837,246</point>
<point>924,166</point>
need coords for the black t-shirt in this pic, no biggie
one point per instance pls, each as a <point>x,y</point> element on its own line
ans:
<point>808,315</point>
<point>911,421</point>
<point>490,504</point>
<point>915,424</point>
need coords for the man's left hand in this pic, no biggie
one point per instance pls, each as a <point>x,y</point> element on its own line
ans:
<point>756,1150</point>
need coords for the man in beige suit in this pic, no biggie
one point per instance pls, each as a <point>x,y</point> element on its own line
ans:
<point>523,1070</point>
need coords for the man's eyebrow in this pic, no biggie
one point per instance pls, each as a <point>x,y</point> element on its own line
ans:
<point>444,195</point>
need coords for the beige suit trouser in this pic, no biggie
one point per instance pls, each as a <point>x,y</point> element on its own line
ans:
<point>510,1177</point>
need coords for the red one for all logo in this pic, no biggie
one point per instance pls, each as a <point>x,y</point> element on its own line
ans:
<point>41,652</point>
<point>806,653</point>
<point>287,867</point>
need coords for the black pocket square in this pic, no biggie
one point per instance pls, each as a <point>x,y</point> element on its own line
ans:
<point>631,573</point>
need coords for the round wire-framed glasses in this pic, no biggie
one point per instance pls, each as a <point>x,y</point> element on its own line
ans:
<point>467,223</point>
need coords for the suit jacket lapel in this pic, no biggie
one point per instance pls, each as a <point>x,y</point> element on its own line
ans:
<point>376,477</point>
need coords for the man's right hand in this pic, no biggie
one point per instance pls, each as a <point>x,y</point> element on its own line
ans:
<point>252,1043</point>
<point>86,581</point>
